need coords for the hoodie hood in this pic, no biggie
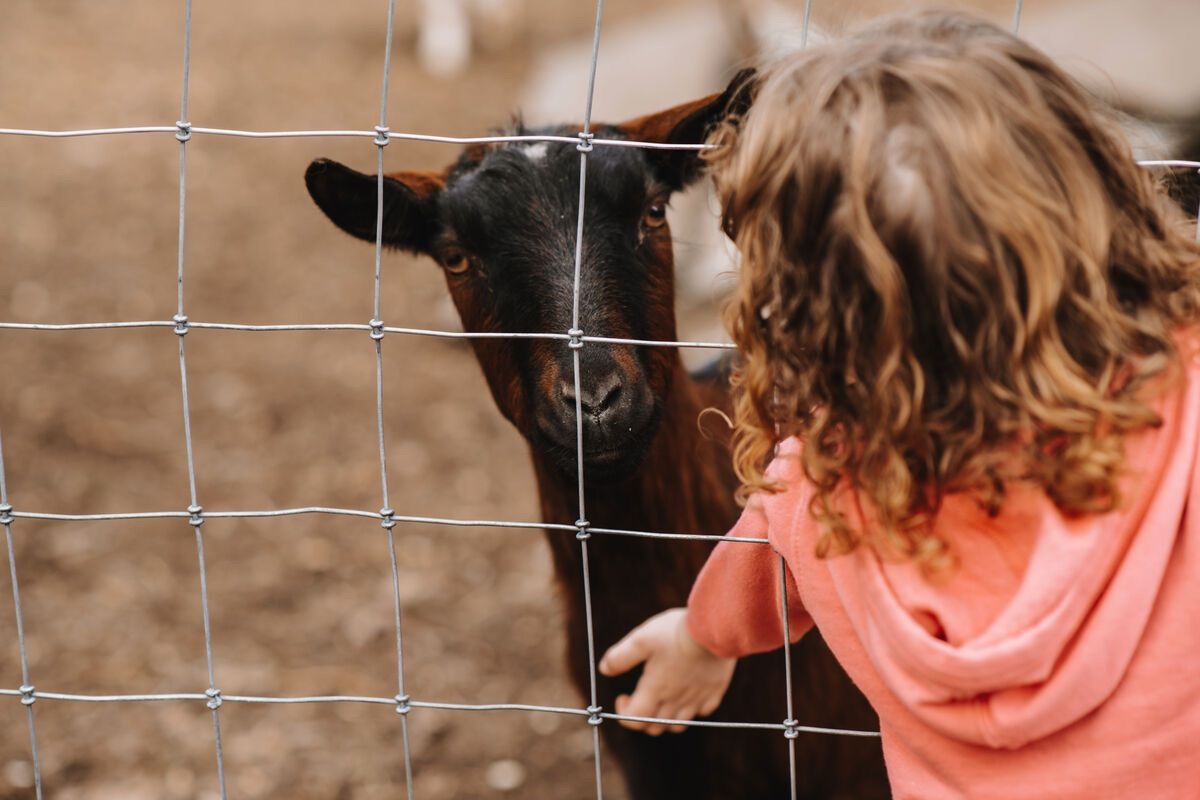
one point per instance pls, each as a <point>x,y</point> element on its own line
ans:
<point>1041,619</point>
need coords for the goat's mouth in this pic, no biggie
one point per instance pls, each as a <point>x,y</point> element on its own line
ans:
<point>608,461</point>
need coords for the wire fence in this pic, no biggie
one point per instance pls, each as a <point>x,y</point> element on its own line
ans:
<point>195,514</point>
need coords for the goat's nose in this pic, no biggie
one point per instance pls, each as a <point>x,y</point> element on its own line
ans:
<point>598,397</point>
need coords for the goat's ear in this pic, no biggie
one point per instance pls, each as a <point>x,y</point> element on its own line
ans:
<point>690,123</point>
<point>349,198</point>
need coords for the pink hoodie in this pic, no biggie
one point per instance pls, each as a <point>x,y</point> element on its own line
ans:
<point>1062,660</point>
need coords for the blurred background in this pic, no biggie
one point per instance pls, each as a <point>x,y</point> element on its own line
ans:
<point>92,422</point>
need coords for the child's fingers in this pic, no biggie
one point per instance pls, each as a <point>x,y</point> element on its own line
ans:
<point>709,705</point>
<point>622,707</point>
<point>640,704</point>
<point>623,704</point>
<point>655,728</point>
<point>684,714</point>
<point>625,654</point>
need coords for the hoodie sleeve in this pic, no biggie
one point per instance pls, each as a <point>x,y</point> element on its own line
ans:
<point>734,607</point>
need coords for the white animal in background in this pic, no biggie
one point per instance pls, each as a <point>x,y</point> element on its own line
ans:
<point>449,29</point>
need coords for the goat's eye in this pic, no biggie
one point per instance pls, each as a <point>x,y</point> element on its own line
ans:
<point>456,261</point>
<point>655,216</point>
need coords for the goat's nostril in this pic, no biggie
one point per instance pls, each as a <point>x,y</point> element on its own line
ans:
<point>608,399</point>
<point>596,399</point>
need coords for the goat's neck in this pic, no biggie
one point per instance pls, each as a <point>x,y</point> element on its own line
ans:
<point>683,485</point>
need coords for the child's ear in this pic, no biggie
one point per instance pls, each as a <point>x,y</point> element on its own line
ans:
<point>349,198</point>
<point>689,123</point>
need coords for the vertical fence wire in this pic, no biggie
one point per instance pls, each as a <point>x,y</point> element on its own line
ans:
<point>790,731</point>
<point>808,4</point>
<point>1016,24</point>
<point>576,344</point>
<point>790,723</point>
<point>27,694</point>
<point>195,510</point>
<point>388,521</point>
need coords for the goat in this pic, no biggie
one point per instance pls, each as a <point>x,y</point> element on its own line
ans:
<point>501,222</point>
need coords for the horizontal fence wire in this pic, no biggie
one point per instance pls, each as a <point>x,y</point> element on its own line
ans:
<point>204,697</point>
<point>532,138</point>
<point>356,326</point>
<point>213,697</point>
<point>527,138</point>
<point>399,518</point>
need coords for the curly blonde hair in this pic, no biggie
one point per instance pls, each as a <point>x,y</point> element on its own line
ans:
<point>954,276</point>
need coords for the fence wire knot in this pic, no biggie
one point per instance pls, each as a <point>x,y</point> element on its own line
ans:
<point>196,518</point>
<point>585,142</point>
<point>381,135</point>
<point>183,130</point>
<point>402,705</point>
<point>6,516</point>
<point>594,717</point>
<point>576,340</point>
<point>214,698</point>
<point>28,696</point>
<point>377,330</point>
<point>790,730</point>
<point>581,529</point>
<point>386,520</point>
<point>181,324</point>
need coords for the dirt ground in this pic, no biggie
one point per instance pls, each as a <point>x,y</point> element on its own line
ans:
<point>92,421</point>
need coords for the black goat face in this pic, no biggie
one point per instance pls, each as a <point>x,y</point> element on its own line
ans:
<point>502,222</point>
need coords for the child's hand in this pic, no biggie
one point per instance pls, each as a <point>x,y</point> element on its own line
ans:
<point>681,679</point>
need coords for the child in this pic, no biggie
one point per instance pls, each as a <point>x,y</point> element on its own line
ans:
<point>971,319</point>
